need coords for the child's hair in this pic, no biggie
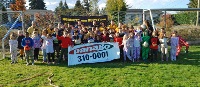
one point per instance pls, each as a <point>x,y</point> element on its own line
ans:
<point>26,33</point>
<point>49,35</point>
<point>131,35</point>
<point>20,32</point>
<point>154,34</point>
<point>34,32</point>
<point>12,35</point>
<point>44,31</point>
<point>117,34</point>
<point>125,37</point>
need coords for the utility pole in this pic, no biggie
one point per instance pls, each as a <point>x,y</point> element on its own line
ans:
<point>197,22</point>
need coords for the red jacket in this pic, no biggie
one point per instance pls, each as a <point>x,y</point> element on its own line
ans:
<point>105,38</point>
<point>154,40</point>
<point>65,41</point>
<point>119,40</point>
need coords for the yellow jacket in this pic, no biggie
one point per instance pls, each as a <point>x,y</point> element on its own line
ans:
<point>50,31</point>
<point>112,26</point>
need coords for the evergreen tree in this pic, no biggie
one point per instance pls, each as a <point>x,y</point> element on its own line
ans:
<point>60,3</point>
<point>78,5</point>
<point>13,2</point>
<point>37,4</point>
<point>62,9</point>
<point>193,4</point>
<point>115,6</point>
<point>87,5</point>
<point>79,9</point>
<point>65,5</point>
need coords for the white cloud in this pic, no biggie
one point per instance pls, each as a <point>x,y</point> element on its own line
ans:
<point>139,4</point>
<point>51,3</point>
<point>70,5</point>
<point>102,5</point>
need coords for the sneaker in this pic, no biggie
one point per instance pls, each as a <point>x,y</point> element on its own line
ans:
<point>11,62</point>
<point>32,63</point>
<point>27,64</point>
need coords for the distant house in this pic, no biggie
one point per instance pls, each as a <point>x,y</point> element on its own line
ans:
<point>131,15</point>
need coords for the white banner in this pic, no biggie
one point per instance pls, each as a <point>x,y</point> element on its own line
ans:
<point>92,53</point>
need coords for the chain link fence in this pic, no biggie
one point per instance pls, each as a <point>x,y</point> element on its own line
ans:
<point>10,22</point>
<point>183,21</point>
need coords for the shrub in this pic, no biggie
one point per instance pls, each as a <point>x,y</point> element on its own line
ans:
<point>188,32</point>
<point>185,17</point>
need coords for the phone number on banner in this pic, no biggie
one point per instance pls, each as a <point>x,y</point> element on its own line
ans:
<point>92,56</point>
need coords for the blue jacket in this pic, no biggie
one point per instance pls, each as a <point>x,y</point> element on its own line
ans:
<point>27,41</point>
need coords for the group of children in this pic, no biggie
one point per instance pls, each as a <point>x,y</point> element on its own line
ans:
<point>134,44</point>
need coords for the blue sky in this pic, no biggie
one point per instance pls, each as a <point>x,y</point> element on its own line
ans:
<point>135,4</point>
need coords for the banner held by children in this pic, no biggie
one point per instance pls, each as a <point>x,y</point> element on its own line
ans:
<point>92,53</point>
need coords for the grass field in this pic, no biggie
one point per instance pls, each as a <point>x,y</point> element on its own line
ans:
<point>184,72</point>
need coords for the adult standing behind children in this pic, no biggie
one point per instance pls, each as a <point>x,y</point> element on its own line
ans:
<point>32,28</point>
<point>28,43</point>
<point>149,27</point>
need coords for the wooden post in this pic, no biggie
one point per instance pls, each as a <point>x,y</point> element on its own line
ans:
<point>197,22</point>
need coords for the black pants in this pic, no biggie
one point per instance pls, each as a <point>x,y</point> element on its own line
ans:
<point>36,53</point>
<point>121,54</point>
<point>153,54</point>
<point>64,51</point>
<point>50,55</point>
<point>56,51</point>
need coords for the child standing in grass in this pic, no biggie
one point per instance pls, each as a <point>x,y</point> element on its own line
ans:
<point>130,47</point>
<point>49,48</point>
<point>137,48</point>
<point>125,48</point>
<point>154,46</point>
<point>44,34</point>
<point>163,47</point>
<point>13,48</point>
<point>20,47</point>
<point>174,44</point>
<point>119,40</point>
<point>65,43</point>
<point>28,43</point>
<point>145,46</point>
<point>37,44</point>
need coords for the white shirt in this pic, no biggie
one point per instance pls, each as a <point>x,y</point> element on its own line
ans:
<point>163,42</point>
<point>49,44</point>
<point>13,45</point>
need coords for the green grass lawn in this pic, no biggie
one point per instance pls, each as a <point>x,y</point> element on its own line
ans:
<point>184,72</point>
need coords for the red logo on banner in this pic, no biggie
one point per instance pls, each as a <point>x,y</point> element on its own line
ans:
<point>91,48</point>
